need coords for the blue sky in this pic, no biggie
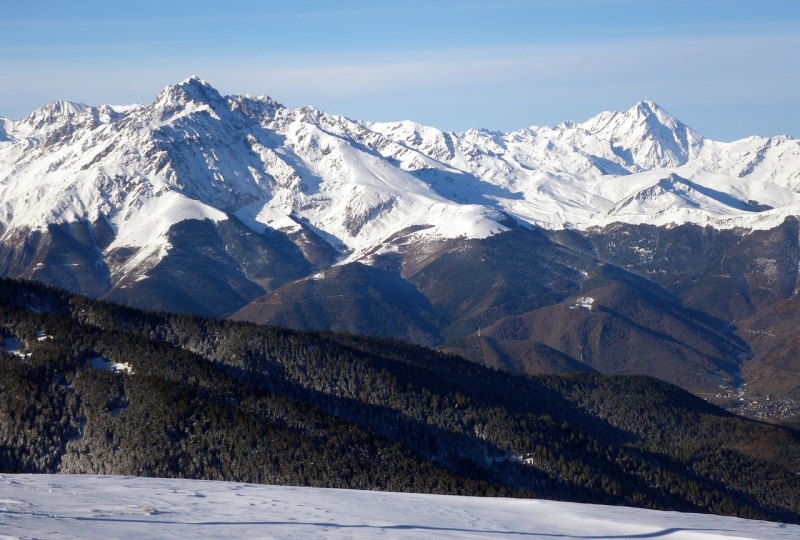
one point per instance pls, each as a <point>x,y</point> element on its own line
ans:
<point>728,68</point>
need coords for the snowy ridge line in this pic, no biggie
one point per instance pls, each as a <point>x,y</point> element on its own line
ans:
<point>78,506</point>
<point>195,154</point>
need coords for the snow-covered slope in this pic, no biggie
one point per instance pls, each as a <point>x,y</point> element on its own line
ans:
<point>195,154</point>
<point>63,506</point>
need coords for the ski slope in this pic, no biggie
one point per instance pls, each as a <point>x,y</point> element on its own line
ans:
<point>67,506</point>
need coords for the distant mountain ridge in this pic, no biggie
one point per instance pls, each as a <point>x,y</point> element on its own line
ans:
<point>194,153</point>
<point>136,171</point>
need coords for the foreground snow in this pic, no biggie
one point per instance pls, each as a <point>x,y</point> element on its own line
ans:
<point>67,506</point>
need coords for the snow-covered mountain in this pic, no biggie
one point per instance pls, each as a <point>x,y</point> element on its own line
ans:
<point>195,154</point>
<point>236,206</point>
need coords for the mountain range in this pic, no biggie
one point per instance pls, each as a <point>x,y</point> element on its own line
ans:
<point>628,243</point>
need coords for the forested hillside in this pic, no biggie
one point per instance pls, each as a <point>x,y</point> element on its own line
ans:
<point>93,387</point>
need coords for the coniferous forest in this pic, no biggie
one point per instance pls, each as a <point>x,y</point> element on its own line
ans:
<point>92,387</point>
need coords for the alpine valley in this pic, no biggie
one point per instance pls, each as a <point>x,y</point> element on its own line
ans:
<point>626,244</point>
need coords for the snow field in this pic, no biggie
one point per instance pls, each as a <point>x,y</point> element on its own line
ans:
<point>102,507</point>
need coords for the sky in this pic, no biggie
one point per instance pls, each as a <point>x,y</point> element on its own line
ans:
<point>727,68</point>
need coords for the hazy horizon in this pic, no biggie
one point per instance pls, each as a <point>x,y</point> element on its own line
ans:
<point>727,69</point>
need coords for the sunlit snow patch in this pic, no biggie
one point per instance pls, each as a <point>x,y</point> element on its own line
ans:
<point>583,302</point>
<point>147,227</point>
<point>106,365</point>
